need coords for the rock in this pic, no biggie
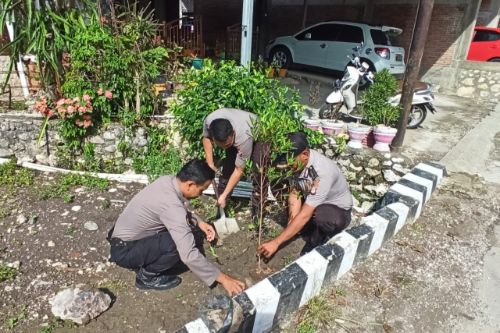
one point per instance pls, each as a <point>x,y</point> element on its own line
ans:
<point>344,162</point>
<point>387,163</point>
<point>66,212</point>
<point>140,142</point>
<point>495,87</point>
<point>355,202</point>
<point>21,219</point>
<point>387,155</point>
<point>355,168</point>
<point>366,206</point>
<point>51,244</point>
<point>108,136</point>
<point>390,176</point>
<point>466,91</point>
<point>79,306</point>
<point>92,226</point>
<point>16,264</point>
<point>4,153</point>
<point>468,82</point>
<point>32,219</point>
<point>110,149</point>
<point>25,158</point>
<point>76,208</point>
<point>112,190</point>
<point>379,190</point>
<point>398,159</point>
<point>350,175</point>
<point>399,168</point>
<point>329,153</point>
<point>373,162</point>
<point>97,140</point>
<point>372,172</point>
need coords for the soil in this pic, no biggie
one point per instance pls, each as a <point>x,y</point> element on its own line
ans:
<point>56,252</point>
<point>428,277</point>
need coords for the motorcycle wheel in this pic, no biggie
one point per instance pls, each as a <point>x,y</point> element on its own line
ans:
<point>329,111</point>
<point>417,116</point>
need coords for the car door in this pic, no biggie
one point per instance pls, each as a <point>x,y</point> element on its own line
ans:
<point>310,46</point>
<point>484,46</point>
<point>348,37</point>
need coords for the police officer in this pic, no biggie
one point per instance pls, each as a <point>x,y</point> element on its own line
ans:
<point>320,202</point>
<point>155,232</point>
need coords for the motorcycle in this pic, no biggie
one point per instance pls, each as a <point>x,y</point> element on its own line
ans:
<point>344,99</point>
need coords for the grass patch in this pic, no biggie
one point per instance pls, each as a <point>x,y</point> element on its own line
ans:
<point>316,315</point>
<point>113,285</point>
<point>4,212</point>
<point>10,175</point>
<point>63,184</point>
<point>12,322</point>
<point>7,273</point>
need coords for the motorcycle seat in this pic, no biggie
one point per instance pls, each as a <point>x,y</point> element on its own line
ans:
<point>419,85</point>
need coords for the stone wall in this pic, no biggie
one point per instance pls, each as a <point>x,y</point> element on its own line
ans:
<point>19,137</point>
<point>15,83</point>
<point>479,80</point>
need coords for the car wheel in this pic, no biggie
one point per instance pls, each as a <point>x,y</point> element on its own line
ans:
<point>494,60</point>
<point>281,56</point>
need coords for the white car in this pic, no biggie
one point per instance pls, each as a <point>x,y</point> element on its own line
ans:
<point>328,44</point>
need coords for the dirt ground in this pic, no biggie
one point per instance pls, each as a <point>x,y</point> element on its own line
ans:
<point>423,280</point>
<point>57,251</point>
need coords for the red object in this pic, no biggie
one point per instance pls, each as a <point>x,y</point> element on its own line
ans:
<point>485,45</point>
<point>384,52</point>
<point>369,140</point>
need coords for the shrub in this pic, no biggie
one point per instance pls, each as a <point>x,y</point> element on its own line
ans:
<point>376,107</point>
<point>232,86</point>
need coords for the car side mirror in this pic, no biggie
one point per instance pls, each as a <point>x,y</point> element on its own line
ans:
<point>307,36</point>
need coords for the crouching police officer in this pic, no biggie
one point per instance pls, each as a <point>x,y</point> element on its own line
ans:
<point>155,232</point>
<point>320,202</point>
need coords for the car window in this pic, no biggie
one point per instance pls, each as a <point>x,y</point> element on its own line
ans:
<point>351,34</point>
<point>486,36</point>
<point>379,37</point>
<point>326,32</point>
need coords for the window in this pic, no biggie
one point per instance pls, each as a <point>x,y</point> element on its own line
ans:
<point>327,32</point>
<point>351,34</point>
<point>380,38</point>
<point>486,36</point>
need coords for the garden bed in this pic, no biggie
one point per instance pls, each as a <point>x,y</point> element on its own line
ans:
<point>45,237</point>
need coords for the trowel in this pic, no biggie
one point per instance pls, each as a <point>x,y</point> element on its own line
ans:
<point>224,225</point>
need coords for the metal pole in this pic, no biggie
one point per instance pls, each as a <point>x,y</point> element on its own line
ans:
<point>413,67</point>
<point>246,32</point>
<point>304,17</point>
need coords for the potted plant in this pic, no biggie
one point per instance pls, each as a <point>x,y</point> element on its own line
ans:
<point>378,112</point>
<point>357,133</point>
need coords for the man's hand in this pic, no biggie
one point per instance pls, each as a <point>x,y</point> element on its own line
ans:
<point>231,285</point>
<point>222,200</point>
<point>212,166</point>
<point>268,249</point>
<point>208,229</point>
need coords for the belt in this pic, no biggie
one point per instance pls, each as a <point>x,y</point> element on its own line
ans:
<point>119,242</point>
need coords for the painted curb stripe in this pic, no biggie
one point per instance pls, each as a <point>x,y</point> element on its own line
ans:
<point>421,181</point>
<point>290,283</point>
<point>379,226</point>
<point>431,169</point>
<point>265,298</point>
<point>405,190</point>
<point>416,186</point>
<point>350,246</point>
<point>247,310</point>
<point>437,166</point>
<point>315,267</point>
<point>197,326</point>
<point>334,254</point>
<point>392,218</point>
<point>427,175</point>
<point>402,211</point>
<point>364,235</point>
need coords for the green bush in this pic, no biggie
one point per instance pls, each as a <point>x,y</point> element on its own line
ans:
<point>231,86</point>
<point>7,273</point>
<point>376,107</point>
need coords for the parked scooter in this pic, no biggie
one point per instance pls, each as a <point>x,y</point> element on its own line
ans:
<point>344,99</point>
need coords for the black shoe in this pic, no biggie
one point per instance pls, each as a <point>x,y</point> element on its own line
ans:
<point>155,281</point>
<point>308,247</point>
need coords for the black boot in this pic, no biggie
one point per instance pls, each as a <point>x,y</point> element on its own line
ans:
<point>156,281</point>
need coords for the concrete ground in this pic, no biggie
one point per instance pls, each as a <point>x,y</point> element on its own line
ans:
<point>464,295</point>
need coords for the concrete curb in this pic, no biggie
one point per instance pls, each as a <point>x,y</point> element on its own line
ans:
<point>259,308</point>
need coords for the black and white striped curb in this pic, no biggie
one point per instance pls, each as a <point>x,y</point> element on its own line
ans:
<point>259,308</point>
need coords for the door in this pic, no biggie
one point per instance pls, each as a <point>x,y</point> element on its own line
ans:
<point>348,37</point>
<point>484,46</point>
<point>310,47</point>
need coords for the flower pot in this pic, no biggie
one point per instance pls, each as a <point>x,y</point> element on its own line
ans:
<point>357,133</point>
<point>197,63</point>
<point>383,137</point>
<point>282,72</point>
<point>332,127</point>
<point>313,124</point>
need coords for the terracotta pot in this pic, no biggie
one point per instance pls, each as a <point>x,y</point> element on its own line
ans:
<point>282,72</point>
<point>332,128</point>
<point>357,133</point>
<point>383,137</point>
